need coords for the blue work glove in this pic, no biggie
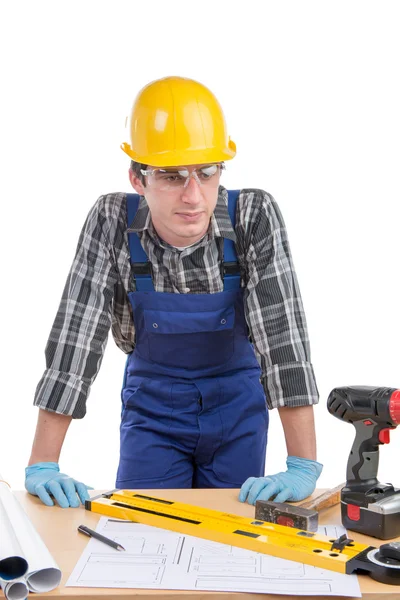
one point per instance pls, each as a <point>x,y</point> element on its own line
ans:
<point>295,484</point>
<point>44,478</point>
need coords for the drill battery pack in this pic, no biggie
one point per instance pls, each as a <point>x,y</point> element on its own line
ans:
<point>376,513</point>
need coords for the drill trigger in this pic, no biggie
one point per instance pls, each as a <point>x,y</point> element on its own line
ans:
<point>384,435</point>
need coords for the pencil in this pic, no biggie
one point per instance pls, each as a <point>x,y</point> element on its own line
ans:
<point>98,536</point>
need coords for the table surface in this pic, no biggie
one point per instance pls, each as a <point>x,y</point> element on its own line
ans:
<point>58,529</point>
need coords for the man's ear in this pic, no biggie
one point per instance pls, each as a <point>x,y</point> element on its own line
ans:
<point>136,183</point>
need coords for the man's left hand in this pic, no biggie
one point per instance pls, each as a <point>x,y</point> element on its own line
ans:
<point>295,484</point>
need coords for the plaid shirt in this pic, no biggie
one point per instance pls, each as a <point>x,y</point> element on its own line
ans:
<point>95,296</point>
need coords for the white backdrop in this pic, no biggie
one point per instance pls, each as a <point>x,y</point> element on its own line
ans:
<point>311,95</point>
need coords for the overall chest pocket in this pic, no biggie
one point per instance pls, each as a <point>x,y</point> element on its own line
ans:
<point>190,340</point>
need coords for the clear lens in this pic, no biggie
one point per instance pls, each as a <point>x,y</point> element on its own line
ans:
<point>175,178</point>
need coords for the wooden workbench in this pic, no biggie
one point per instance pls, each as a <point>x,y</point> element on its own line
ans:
<point>58,528</point>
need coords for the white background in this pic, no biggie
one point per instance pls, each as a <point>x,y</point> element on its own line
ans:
<point>311,95</point>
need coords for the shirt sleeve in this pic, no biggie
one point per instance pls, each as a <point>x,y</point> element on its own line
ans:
<point>79,334</point>
<point>274,308</point>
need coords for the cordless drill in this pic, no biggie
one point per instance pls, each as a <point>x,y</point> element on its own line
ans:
<point>368,506</point>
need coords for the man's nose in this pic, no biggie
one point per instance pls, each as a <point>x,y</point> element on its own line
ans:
<point>191,193</point>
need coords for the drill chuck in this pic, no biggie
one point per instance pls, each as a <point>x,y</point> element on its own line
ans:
<point>394,406</point>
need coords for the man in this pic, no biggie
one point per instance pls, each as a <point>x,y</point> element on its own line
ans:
<point>185,279</point>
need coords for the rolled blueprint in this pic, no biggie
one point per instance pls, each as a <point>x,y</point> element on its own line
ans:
<point>12,562</point>
<point>43,573</point>
<point>14,590</point>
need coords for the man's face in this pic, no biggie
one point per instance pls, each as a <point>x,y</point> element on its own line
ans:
<point>181,200</point>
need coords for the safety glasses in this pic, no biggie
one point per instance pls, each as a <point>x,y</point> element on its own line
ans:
<point>175,178</point>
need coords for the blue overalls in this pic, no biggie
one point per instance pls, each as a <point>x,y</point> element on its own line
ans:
<point>194,412</point>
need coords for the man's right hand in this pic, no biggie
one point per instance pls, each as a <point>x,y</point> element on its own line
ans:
<point>45,480</point>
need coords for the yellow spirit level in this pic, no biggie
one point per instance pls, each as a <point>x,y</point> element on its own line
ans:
<point>342,555</point>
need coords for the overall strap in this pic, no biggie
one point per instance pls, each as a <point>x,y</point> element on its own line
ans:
<point>140,263</point>
<point>231,265</point>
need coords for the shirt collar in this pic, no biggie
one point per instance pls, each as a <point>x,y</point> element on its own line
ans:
<point>220,223</point>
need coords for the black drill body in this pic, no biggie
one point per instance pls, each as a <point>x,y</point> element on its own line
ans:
<point>368,506</point>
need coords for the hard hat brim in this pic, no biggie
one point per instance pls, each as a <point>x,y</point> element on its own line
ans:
<point>188,157</point>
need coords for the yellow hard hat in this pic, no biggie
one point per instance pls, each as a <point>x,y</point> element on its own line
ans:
<point>177,121</point>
